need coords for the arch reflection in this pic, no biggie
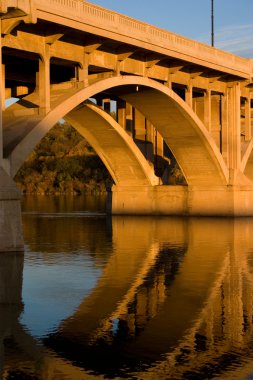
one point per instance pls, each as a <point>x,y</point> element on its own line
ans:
<point>174,298</point>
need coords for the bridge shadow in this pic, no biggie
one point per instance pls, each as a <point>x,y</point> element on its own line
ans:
<point>27,104</point>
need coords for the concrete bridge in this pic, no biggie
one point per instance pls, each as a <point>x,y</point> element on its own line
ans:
<point>175,100</point>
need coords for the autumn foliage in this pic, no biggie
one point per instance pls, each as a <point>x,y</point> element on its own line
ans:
<point>63,163</point>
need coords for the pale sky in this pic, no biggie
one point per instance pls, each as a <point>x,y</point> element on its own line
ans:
<point>233,27</point>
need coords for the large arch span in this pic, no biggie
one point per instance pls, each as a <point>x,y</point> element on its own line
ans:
<point>190,142</point>
<point>114,146</point>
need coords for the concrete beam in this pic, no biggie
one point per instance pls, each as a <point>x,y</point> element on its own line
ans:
<point>234,122</point>
<point>91,48</point>
<point>123,56</point>
<point>208,110</point>
<point>248,130</point>
<point>50,40</point>
<point>44,81</point>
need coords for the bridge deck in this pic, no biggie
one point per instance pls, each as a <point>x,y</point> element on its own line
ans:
<point>87,17</point>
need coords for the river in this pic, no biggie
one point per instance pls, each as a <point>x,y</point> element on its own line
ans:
<point>99,297</point>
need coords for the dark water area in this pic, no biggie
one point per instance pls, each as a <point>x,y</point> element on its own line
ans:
<point>99,297</point>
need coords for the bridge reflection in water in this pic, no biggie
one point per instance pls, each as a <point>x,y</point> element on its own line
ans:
<point>173,300</point>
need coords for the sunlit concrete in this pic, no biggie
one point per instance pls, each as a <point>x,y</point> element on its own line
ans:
<point>169,91</point>
<point>183,200</point>
<point>11,235</point>
<point>114,146</point>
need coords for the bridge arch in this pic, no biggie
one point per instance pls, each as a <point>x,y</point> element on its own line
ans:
<point>114,146</point>
<point>193,147</point>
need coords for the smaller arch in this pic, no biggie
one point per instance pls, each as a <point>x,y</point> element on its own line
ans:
<point>114,146</point>
<point>8,25</point>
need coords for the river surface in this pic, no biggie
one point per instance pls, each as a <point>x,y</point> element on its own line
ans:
<point>98,297</point>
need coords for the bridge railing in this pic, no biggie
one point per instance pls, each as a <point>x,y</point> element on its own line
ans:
<point>105,19</point>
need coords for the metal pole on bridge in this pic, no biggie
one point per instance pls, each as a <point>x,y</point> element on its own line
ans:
<point>212,23</point>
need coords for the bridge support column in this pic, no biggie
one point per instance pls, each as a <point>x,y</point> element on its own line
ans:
<point>189,95</point>
<point>208,110</point>
<point>11,236</point>
<point>182,200</point>
<point>216,119</point>
<point>44,81</point>
<point>234,124</point>
<point>139,122</point>
<point>121,113</point>
<point>83,72</point>
<point>107,105</point>
<point>248,132</point>
<point>130,119</point>
<point>225,127</point>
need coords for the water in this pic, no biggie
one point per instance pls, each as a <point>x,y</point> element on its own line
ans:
<point>126,297</point>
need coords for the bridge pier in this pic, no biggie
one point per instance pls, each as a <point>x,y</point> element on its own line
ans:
<point>183,200</point>
<point>11,236</point>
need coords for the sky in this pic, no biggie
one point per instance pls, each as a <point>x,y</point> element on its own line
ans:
<point>233,19</point>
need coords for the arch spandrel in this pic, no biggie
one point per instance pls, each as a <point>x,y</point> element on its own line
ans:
<point>247,162</point>
<point>190,142</point>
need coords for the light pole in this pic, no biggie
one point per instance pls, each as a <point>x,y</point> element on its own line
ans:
<point>212,24</point>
